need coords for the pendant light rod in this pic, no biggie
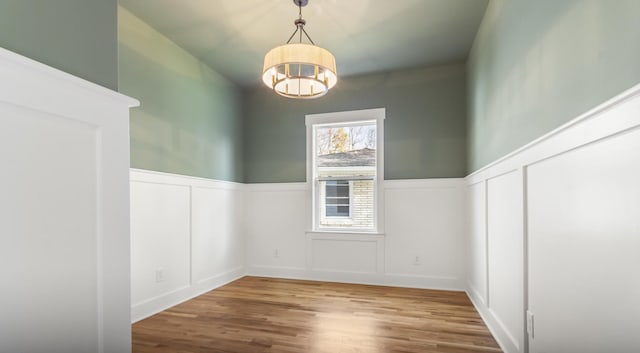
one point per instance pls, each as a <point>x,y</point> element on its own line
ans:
<point>300,22</point>
<point>309,38</point>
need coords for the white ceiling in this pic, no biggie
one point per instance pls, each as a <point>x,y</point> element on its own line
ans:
<point>365,36</point>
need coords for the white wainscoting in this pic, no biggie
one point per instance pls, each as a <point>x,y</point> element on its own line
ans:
<point>422,245</point>
<point>554,229</point>
<point>477,242</point>
<point>64,231</point>
<point>187,238</point>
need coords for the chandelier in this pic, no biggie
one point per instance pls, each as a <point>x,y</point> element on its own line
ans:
<point>299,70</point>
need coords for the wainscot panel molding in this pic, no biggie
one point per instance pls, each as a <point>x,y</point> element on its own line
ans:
<point>187,238</point>
<point>64,243</point>
<point>553,229</point>
<point>421,247</point>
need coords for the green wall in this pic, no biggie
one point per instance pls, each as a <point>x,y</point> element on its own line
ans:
<point>425,126</point>
<point>190,119</point>
<point>538,64</point>
<point>76,36</point>
<point>534,66</point>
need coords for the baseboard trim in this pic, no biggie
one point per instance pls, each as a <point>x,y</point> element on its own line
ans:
<point>392,280</point>
<point>157,304</point>
<point>504,338</point>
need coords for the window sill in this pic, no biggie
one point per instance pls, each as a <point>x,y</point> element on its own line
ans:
<point>341,233</point>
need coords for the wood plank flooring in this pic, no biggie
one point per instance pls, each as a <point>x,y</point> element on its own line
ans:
<point>255,314</point>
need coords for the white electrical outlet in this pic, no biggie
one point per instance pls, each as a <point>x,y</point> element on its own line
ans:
<point>530,323</point>
<point>416,261</point>
<point>159,274</point>
<point>276,253</point>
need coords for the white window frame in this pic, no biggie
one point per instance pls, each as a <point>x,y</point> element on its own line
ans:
<point>355,116</point>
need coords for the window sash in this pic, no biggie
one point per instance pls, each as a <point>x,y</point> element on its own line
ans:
<point>347,118</point>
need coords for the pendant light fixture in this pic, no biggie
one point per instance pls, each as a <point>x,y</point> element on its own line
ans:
<point>299,70</point>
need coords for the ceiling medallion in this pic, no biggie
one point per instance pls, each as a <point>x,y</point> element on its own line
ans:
<point>299,70</point>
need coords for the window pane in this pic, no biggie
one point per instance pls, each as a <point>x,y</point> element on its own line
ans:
<point>341,191</point>
<point>353,210</point>
<point>346,150</point>
<point>346,146</point>
<point>337,211</point>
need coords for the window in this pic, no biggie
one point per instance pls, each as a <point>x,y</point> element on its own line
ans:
<point>345,170</point>
<point>337,198</point>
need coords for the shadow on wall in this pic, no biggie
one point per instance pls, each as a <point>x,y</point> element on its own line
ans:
<point>189,121</point>
<point>537,65</point>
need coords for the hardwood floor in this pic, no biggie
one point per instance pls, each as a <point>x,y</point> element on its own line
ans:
<point>255,314</point>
